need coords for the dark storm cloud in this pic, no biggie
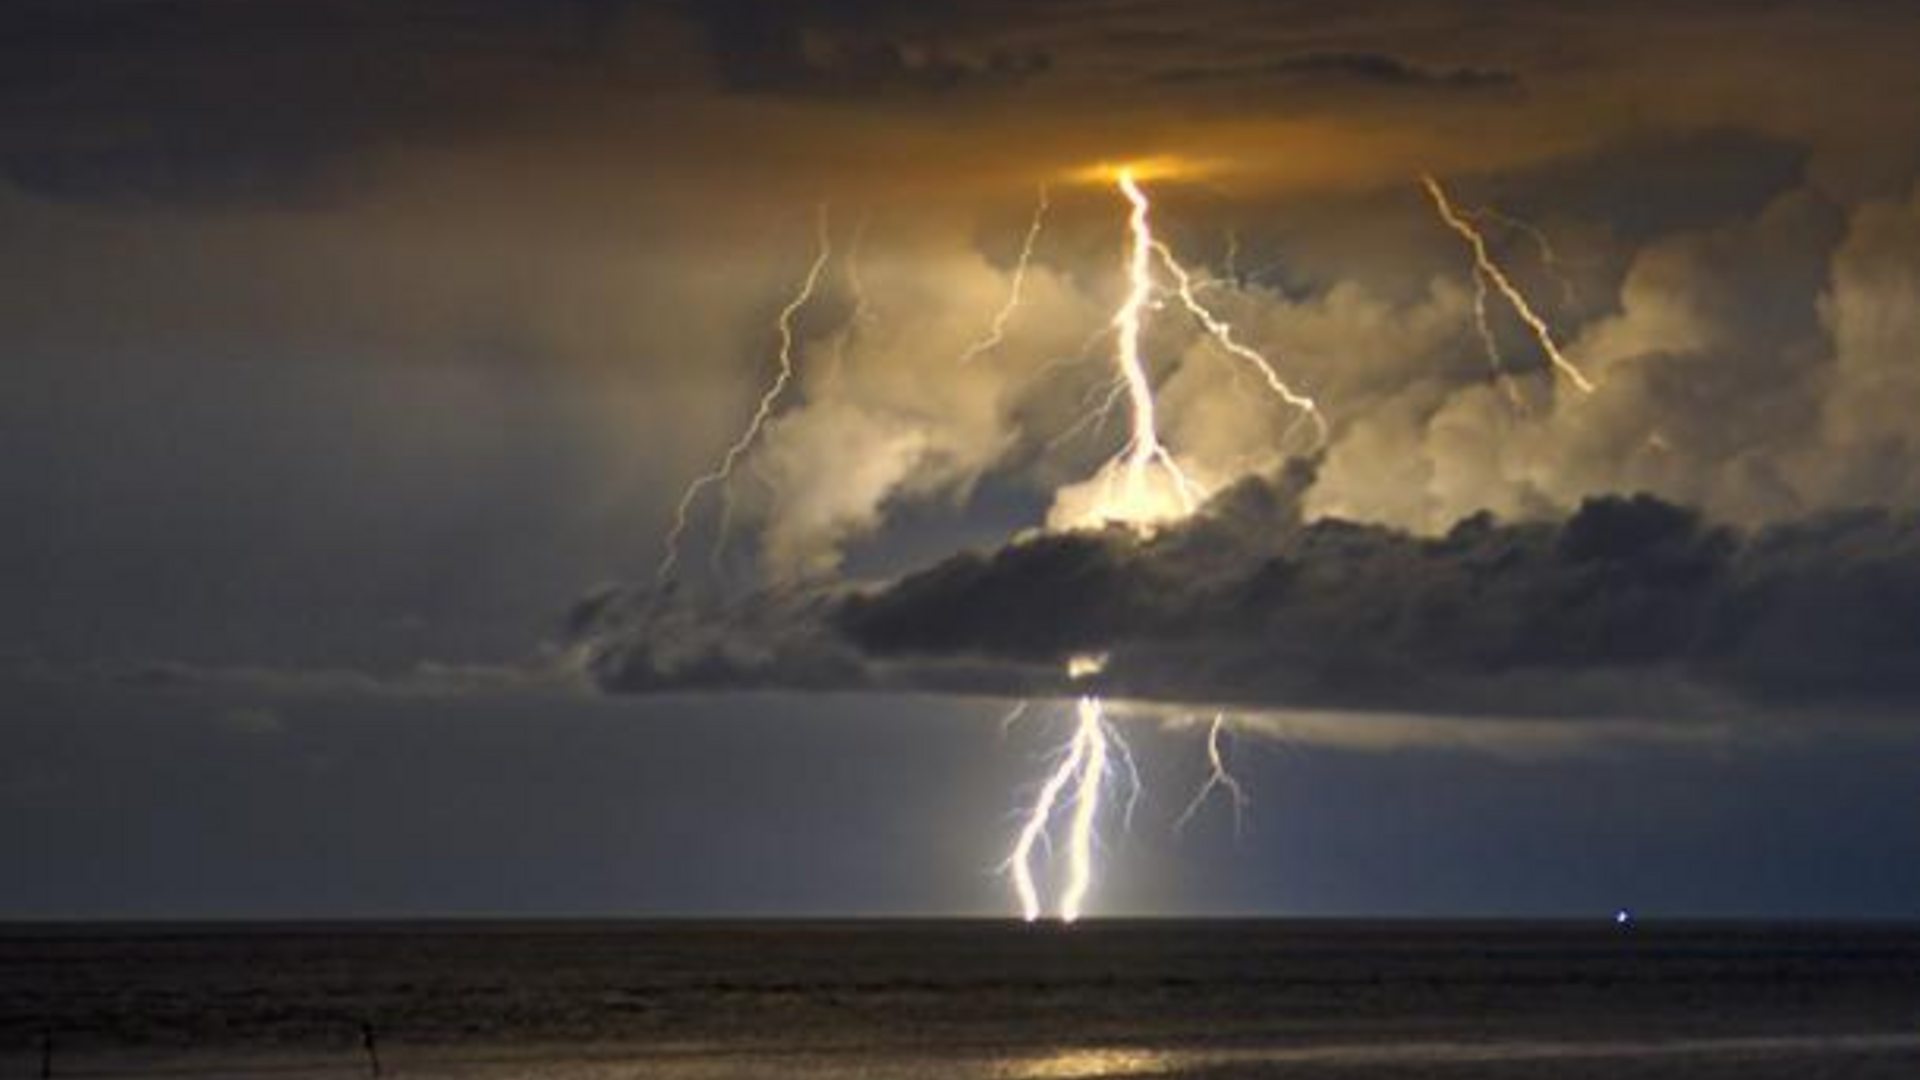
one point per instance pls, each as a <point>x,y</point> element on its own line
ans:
<point>848,48</point>
<point>217,103</point>
<point>1629,605</point>
<point>1364,68</point>
<point>1660,183</point>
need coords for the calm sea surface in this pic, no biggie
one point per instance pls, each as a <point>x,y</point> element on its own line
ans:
<point>961,999</point>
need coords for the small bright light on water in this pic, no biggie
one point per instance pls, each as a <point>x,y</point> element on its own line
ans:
<point>1623,917</point>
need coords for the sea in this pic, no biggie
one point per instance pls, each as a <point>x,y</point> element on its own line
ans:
<point>599,1000</point>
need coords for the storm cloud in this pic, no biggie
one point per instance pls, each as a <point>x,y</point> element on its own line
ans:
<point>348,339</point>
<point>1628,607</point>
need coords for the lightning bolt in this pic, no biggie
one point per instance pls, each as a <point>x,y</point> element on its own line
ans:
<point>1092,737</point>
<point>723,472</point>
<point>1008,719</point>
<point>1126,494</point>
<point>1034,831</point>
<point>1217,777</point>
<point>1144,483</point>
<point>1488,272</point>
<point>1140,485</point>
<point>1550,259</point>
<point>997,331</point>
<point>1222,335</point>
<point>1079,781</point>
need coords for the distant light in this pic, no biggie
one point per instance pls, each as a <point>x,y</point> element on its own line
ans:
<point>1623,917</point>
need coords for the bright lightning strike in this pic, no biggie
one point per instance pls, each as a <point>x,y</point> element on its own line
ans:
<point>723,472</point>
<point>1020,861</point>
<point>1078,781</point>
<point>1487,272</point>
<point>1143,484</point>
<point>997,331</point>
<point>1217,777</point>
<point>1092,735</point>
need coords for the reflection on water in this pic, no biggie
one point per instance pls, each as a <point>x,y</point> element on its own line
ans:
<point>1798,1057</point>
<point>1085,1062</point>
<point>1420,1055</point>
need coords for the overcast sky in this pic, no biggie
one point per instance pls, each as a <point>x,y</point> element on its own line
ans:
<point>358,353</point>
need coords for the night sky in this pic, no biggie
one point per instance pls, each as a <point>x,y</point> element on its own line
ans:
<point>359,353</point>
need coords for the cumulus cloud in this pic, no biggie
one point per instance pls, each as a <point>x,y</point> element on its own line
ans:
<point>1749,369</point>
<point>887,410</point>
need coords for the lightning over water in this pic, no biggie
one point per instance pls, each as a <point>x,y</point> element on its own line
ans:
<point>1052,864</point>
<point>1034,832</point>
<point>1141,486</point>
<point>1092,735</point>
<point>1076,787</point>
<point>1218,777</point>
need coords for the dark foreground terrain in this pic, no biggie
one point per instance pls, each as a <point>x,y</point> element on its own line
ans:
<point>963,999</point>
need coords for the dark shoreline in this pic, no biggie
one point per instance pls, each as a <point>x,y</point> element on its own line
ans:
<point>453,988</point>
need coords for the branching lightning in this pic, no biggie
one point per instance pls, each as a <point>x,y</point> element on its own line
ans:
<point>1078,780</point>
<point>723,472</point>
<point>1139,486</point>
<point>1217,777</point>
<point>1550,260</point>
<point>1222,334</point>
<point>1127,492</point>
<point>1488,272</point>
<point>1144,483</point>
<point>997,331</point>
<point>1020,861</point>
<point>1092,737</point>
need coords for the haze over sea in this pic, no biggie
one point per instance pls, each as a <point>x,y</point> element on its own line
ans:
<point>962,999</point>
